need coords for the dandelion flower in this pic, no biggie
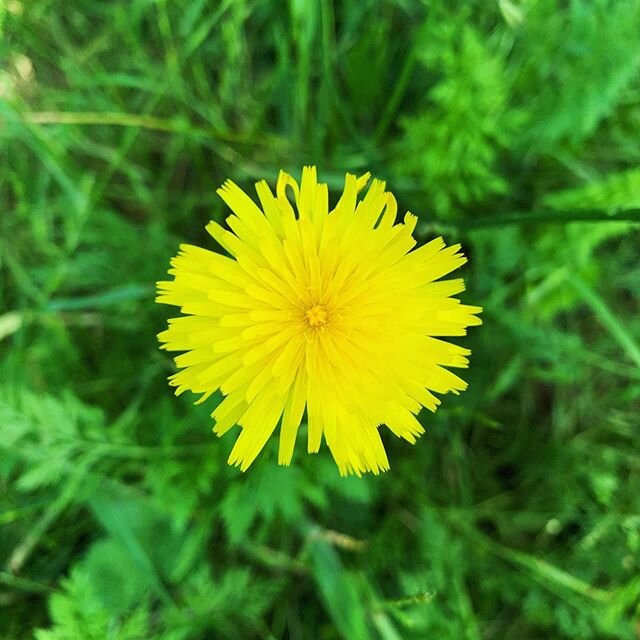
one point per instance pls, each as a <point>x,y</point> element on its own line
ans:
<point>332,311</point>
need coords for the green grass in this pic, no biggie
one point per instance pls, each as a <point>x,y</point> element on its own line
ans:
<point>510,127</point>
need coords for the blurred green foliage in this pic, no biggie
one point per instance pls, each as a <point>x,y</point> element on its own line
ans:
<point>510,126</point>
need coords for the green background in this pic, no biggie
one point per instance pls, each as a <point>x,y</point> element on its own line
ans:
<point>510,126</point>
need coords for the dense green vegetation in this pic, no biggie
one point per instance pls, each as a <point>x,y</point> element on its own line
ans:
<point>509,126</point>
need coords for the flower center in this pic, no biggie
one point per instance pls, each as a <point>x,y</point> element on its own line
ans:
<point>317,316</point>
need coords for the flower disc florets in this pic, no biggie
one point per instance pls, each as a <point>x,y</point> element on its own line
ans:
<point>332,312</point>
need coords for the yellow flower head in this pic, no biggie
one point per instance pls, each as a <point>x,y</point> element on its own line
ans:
<point>328,310</point>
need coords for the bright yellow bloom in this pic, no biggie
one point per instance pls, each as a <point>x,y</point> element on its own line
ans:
<point>330,311</point>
